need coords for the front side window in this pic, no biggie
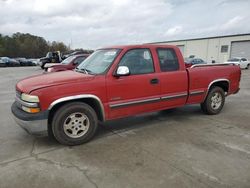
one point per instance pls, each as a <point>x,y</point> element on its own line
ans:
<point>198,61</point>
<point>201,61</point>
<point>79,60</point>
<point>99,61</point>
<point>68,60</point>
<point>139,61</point>
<point>194,61</point>
<point>168,59</point>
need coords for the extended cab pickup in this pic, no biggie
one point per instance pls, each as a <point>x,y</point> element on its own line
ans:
<point>117,82</point>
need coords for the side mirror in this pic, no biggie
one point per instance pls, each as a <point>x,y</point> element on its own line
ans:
<point>122,71</point>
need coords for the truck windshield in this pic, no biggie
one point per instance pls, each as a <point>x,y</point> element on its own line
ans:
<point>99,61</point>
<point>68,60</point>
<point>49,55</point>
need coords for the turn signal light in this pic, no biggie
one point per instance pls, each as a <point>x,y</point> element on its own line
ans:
<point>30,110</point>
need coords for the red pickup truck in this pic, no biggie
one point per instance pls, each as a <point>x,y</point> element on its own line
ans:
<point>117,82</point>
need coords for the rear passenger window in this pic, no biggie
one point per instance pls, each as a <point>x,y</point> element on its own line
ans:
<point>168,59</point>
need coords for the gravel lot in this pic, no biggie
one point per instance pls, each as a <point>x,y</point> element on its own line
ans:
<point>174,148</point>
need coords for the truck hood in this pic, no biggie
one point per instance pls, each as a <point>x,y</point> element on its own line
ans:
<point>47,65</point>
<point>32,83</point>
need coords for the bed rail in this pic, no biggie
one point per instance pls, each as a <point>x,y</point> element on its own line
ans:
<point>214,64</point>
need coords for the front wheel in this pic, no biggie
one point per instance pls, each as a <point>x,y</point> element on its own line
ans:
<point>214,101</point>
<point>74,123</point>
<point>248,66</point>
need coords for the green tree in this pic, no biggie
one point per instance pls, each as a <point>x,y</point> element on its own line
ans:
<point>30,46</point>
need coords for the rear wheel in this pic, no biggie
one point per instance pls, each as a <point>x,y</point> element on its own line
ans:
<point>248,66</point>
<point>214,101</point>
<point>74,123</point>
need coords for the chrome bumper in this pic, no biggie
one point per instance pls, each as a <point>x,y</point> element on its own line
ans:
<point>35,124</point>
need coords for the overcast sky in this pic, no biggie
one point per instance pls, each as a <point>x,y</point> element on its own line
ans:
<point>98,23</point>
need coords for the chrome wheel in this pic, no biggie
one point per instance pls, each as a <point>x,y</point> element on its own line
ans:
<point>216,100</point>
<point>76,125</point>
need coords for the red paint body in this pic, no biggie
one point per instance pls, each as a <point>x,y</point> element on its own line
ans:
<point>113,90</point>
<point>188,65</point>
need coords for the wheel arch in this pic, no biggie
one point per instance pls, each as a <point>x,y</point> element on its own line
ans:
<point>89,99</point>
<point>223,83</point>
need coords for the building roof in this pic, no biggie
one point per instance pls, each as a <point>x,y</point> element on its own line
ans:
<point>148,45</point>
<point>222,36</point>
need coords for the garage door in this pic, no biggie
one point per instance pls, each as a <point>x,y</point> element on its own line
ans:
<point>181,47</point>
<point>240,49</point>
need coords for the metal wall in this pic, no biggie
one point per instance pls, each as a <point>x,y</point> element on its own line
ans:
<point>240,49</point>
<point>210,48</point>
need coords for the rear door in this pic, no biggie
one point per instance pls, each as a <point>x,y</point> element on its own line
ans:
<point>138,92</point>
<point>173,77</point>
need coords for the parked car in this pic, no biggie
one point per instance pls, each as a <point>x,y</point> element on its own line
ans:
<point>2,63</point>
<point>5,60</point>
<point>67,64</point>
<point>78,52</point>
<point>24,61</point>
<point>193,61</point>
<point>34,62</point>
<point>14,63</point>
<point>10,62</point>
<point>117,82</point>
<point>241,61</point>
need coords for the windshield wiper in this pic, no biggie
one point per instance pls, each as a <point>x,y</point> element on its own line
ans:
<point>83,70</point>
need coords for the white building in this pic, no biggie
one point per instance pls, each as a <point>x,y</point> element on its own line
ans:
<point>219,48</point>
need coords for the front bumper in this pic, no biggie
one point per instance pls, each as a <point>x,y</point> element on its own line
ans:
<point>35,124</point>
<point>237,91</point>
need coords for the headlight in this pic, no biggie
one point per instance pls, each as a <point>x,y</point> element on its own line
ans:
<point>29,98</point>
<point>49,69</point>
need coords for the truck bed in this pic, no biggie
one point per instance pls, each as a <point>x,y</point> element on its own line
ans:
<point>202,77</point>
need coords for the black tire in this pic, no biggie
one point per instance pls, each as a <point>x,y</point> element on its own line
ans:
<point>66,113</point>
<point>248,66</point>
<point>50,133</point>
<point>213,105</point>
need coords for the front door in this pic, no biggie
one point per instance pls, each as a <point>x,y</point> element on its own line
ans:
<point>138,92</point>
